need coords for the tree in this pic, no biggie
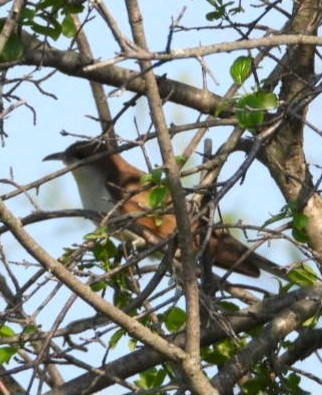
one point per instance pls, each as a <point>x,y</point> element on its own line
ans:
<point>203,332</point>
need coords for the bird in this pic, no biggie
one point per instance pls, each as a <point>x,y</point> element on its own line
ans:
<point>109,182</point>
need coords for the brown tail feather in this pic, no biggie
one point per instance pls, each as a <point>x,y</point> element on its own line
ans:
<point>226,251</point>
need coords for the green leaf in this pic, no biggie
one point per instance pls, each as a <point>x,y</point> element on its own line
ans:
<point>222,9</point>
<point>303,276</point>
<point>54,32</point>
<point>157,175</point>
<point>226,348</point>
<point>133,344</point>
<point>158,221</point>
<point>121,299</point>
<point>311,322</point>
<point>220,352</point>
<point>68,253</point>
<point>157,196</point>
<point>241,69</point>
<point>146,178</point>
<point>300,235</point>
<point>300,221</point>
<point>250,108</point>
<point>229,306</point>
<point>215,15</point>
<point>68,27</point>
<point>293,381</point>
<point>255,386</point>
<point>291,206</point>
<point>110,248</point>
<point>54,4</point>
<point>274,218</point>
<point>98,234</point>
<point>84,266</point>
<point>261,383</point>
<point>115,338</point>
<point>29,329</point>
<point>291,385</point>
<point>151,378</point>
<point>104,250</point>
<point>267,100</point>
<point>154,177</point>
<point>209,355</point>
<point>236,10</point>
<point>180,160</point>
<point>27,14</point>
<point>73,8</point>
<point>13,50</point>
<point>222,106</point>
<point>6,331</point>
<point>6,353</point>
<point>174,319</point>
<point>249,112</point>
<point>98,286</point>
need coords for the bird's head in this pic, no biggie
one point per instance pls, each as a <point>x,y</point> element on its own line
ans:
<point>78,151</point>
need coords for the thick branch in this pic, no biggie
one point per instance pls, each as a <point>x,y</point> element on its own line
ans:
<point>145,358</point>
<point>74,64</point>
<point>190,366</point>
<point>287,321</point>
<point>285,154</point>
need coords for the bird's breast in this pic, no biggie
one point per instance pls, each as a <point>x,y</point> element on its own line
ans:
<point>92,189</point>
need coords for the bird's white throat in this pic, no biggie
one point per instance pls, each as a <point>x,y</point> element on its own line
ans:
<point>91,183</point>
<point>92,189</point>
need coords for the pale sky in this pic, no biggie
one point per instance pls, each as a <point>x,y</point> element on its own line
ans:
<point>28,144</point>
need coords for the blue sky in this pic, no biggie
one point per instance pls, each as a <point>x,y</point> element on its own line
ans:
<point>28,144</point>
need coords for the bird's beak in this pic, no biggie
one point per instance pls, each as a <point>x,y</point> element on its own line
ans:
<point>56,156</point>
